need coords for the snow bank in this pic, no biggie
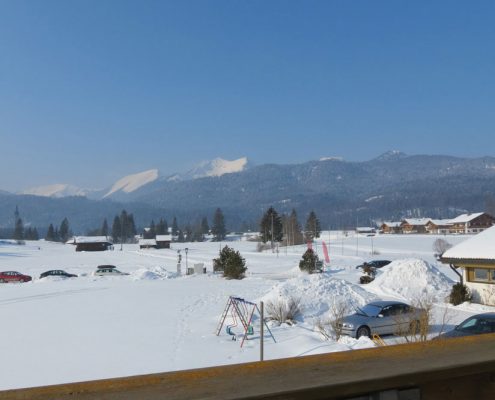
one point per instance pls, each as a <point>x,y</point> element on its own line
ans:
<point>318,293</point>
<point>152,273</point>
<point>412,279</point>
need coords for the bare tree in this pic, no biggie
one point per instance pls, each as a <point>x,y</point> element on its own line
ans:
<point>331,327</point>
<point>440,246</point>
<point>283,310</point>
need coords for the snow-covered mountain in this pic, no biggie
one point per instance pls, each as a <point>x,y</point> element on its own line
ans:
<point>57,190</point>
<point>216,167</point>
<point>130,183</point>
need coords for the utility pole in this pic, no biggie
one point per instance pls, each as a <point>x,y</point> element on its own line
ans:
<point>262,323</point>
<point>272,232</point>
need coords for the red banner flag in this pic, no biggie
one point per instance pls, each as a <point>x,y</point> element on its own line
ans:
<point>325,252</point>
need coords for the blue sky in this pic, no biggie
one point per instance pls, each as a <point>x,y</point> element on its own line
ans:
<point>94,90</point>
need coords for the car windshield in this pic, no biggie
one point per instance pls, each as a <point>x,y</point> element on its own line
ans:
<point>477,325</point>
<point>369,310</point>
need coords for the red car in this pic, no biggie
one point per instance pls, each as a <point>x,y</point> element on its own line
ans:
<point>13,276</point>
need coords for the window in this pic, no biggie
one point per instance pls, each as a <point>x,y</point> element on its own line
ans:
<point>482,275</point>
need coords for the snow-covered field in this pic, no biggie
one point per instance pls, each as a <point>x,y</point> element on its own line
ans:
<point>57,331</point>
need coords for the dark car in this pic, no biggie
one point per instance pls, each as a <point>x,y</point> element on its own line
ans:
<point>13,276</point>
<point>475,325</point>
<point>375,264</point>
<point>57,272</point>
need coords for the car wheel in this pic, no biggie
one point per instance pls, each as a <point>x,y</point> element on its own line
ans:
<point>363,331</point>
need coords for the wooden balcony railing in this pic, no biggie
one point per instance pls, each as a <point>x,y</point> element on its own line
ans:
<point>451,369</point>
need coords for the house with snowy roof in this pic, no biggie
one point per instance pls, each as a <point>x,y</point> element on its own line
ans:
<point>92,243</point>
<point>439,226</point>
<point>476,257</point>
<point>163,241</point>
<point>390,227</point>
<point>414,225</point>
<point>472,223</point>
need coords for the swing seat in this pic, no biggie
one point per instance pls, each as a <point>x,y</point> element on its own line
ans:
<point>229,331</point>
<point>250,330</point>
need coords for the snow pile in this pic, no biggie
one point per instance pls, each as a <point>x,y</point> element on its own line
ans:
<point>412,279</point>
<point>318,293</point>
<point>152,273</point>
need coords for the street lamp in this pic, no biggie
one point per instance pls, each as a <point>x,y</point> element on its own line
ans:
<point>179,259</point>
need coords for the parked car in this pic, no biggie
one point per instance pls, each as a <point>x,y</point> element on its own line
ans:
<point>108,270</point>
<point>57,272</point>
<point>375,264</point>
<point>13,276</point>
<point>475,325</point>
<point>382,318</point>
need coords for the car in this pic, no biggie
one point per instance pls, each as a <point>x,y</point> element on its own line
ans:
<point>475,325</point>
<point>382,318</point>
<point>13,276</point>
<point>375,264</point>
<point>57,272</point>
<point>108,270</point>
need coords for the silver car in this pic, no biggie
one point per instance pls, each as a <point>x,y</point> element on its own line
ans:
<point>108,270</point>
<point>382,318</point>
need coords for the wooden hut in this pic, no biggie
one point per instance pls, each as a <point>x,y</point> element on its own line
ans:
<point>163,241</point>
<point>92,243</point>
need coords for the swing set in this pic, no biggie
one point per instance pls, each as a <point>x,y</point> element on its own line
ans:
<point>241,313</point>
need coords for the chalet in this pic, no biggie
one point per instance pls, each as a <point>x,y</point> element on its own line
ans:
<point>476,257</point>
<point>390,227</point>
<point>92,243</point>
<point>163,241</point>
<point>439,226</point>
<point>414,225</point>
<point>471,223</point>
<point>147,243</point>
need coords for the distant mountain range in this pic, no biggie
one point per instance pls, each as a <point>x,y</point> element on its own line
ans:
<point>132,183</point>
<point>342,193</point>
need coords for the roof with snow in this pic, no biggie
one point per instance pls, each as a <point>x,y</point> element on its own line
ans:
<point>479,247</point>
<point>462,219</point>
<point>439,222</point>
<point>91,239</point>
<point>163,238</point>
<point>416,221</point>
<point>394,224</point>
<point>147,242</point>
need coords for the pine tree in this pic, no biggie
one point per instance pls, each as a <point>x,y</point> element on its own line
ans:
<point>205,228</point>
<point>104,228</point>
<point>161,227</point>
<point>64,231</point>
<point>50,234</point>
<point>231,263</point>
<point>180,237</point>
<point>218,229</point>
<point>35,236</point>
<point>18,226</point>
<point>312,228</point>
<point>309,262</point>
<point>116,229</point>
<point>175,227</point>
<point>271,226</point>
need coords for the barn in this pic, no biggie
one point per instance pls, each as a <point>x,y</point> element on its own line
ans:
<point>163,241</point>
<point>92,243</point>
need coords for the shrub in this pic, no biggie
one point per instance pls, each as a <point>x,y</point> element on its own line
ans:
<point>440,246</point>
<point>331,328</point>
<point>231,263</point>
<point>309,262</point>
<point>459,294</point>
<point>366,279</point>
<point>283,310</point>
